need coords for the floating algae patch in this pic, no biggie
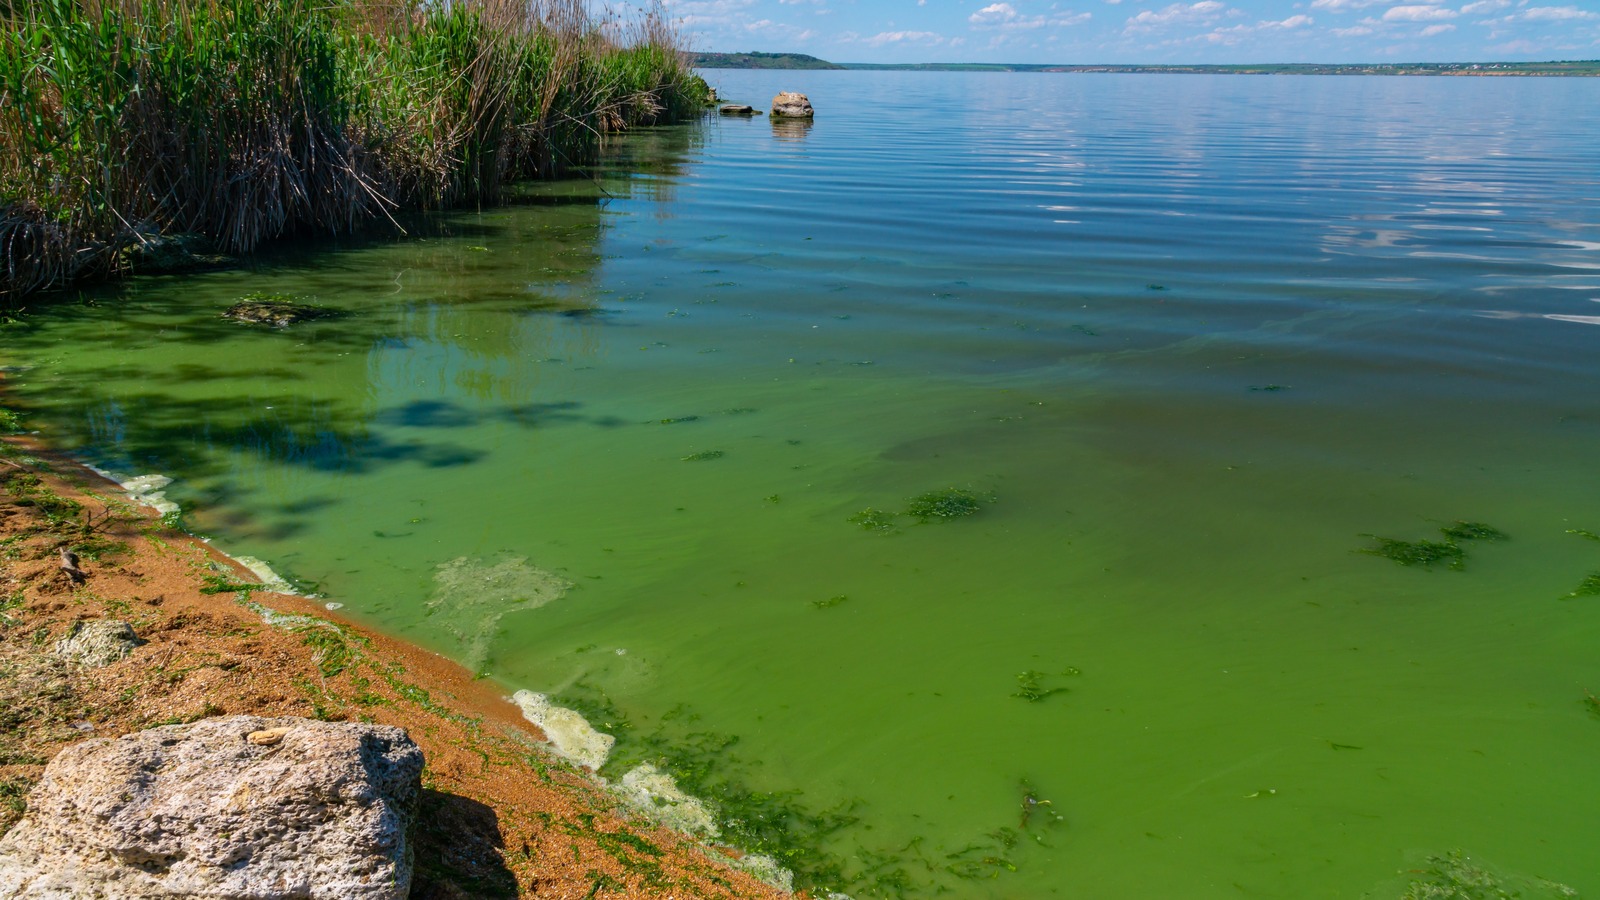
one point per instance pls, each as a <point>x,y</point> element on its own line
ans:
<point>873,519</point>
<point>1032,685</point>
<point>703,455</point>
<point>1589,587</point>
<point>1454,876</point>
<point>1431,553</point>
<point>950,503</point>
<point>471,596</point>
<point>1472,531</point>
<point>1418,553</point>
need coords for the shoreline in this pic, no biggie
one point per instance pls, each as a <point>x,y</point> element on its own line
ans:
<point>502,815</point>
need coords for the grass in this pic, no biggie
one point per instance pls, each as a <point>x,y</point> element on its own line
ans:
<point>128,127</point>
<point>333,651</point>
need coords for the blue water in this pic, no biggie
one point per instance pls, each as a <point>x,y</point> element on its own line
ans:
<point>1193,342</point>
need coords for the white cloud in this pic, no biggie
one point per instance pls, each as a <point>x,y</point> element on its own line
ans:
<point>904,37</point>
<point>707,7</point>
<point>1484,6</point>
<point>994,14</point>
<point>1202,12</point>
<point>1342,5</point>
<point>1432,30</point>
<point>1004,16</point>
<point>1353,31</point>
<point>1418,14</point>
<point>1291,22</point>
<point>1554,14</point>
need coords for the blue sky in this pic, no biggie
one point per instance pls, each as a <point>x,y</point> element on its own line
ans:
<point>1148,31</point>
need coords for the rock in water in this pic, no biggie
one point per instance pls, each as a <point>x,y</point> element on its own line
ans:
<point>274,310</point>
<point>738,109</point>
<point>790,105</point>
<point>203,811</point>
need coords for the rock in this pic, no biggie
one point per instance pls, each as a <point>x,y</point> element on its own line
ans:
<point>276,310</point>
<point>267,737</point>
<point>157,254</point>
<point>203,811</point>
<point>735,109</point>
<point>790,105</point>
<point>97,643</point>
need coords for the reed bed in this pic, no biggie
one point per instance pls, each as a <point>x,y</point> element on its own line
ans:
<point>123,121</point>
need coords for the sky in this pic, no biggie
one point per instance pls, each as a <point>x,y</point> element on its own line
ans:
<point>1148,31</point>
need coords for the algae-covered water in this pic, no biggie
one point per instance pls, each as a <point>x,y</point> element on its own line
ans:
<point>1188,345</point>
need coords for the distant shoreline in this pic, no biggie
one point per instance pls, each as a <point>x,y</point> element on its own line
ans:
<point>801,61</point>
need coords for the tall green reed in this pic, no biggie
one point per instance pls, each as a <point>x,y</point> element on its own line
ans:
<point>244,120</point>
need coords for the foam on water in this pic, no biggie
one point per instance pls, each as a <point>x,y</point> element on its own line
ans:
<point>570,735</point>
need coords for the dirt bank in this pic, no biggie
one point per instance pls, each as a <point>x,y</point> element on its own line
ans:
<point>500,818</point>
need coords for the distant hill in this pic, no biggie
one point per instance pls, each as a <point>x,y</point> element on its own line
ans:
<point>755,60</point>
<point>1572,67</point>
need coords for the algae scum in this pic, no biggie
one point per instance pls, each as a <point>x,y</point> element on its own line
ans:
<point>1166,501</point>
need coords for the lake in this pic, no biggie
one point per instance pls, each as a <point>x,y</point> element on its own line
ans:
<point>689,444</point>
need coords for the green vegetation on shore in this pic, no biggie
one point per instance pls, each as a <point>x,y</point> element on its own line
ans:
<point>124,123</point>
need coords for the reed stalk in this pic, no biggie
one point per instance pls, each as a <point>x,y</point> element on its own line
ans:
<point>246,120</point>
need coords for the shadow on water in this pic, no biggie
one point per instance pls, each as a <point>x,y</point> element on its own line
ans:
<point>147,376</point>
<point>390,284</point>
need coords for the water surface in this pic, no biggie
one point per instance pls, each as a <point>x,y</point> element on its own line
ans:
<point>1197,338</point>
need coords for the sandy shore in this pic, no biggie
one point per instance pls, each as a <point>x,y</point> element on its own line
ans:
<point>501,817</point>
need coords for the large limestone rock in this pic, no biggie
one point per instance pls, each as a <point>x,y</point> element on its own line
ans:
<point>236,807</point>
<point>790,105</point>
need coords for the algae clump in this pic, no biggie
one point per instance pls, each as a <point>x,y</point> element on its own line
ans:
<point>1472,531</point>
<point>1589,587</point>
<point>873,519</point>
<point>1419,553</point>
<point>1453,876</point>
<point>950,503</point>
<point>1431,553</point>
